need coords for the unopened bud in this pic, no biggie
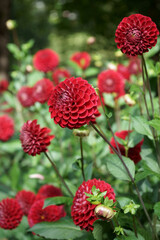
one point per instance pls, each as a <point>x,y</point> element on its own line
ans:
<point>104,212</point>
<point>130,101</point>
<point>29,68</point>
<point>81,133</point>
<point>11,24</point>
<point>91,40</point>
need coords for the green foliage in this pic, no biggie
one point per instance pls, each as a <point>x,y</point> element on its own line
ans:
<point>57,201</point>
<point>97,232</point>
<point>157,209</point>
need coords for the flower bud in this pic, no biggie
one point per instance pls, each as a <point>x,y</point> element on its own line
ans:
<point>29,68</point>
<point>104,212</point>
<point>81,133</point>
<point>91,40</point>
<point>129,100</point>
<point>11,24</point>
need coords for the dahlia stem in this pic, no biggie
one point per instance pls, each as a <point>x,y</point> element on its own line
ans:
<point>134,226</point>
<point>58,173</point>
<point>117,114</point>
<point>129,174</point>
<point>82,162</point>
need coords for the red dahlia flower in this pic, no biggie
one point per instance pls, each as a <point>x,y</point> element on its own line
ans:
<point>39,214</point>
<point>83,59</point>
<point>136,34</point>
<point>82,211</point>
<point>59,74</point>
<point>110,81</point>
<point>25,96</point>
<point>133,153</point>
<point>35,139</point>
<point>73,103</point>
<point>45,60</point>
<point>3,85</point>
<point>42,90</point>
<point>6,128</point>
<point>134,66</point>
<point>25,200</point>
<point>10,213</point>
<point>47,191</point>
<point>123,70</point>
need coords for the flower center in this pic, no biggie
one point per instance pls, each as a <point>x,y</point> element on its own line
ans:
<point>134,35</point>
<point>109,82</point>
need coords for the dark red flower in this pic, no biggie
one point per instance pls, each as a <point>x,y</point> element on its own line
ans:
<point>82,211</point>
<point>110,81</point>
<point>136,34</point>
<point>25,96</point>
<point>73,103</point>
<point>34,139</point>
<point>25,200</point>
<point>39,214</point>
<point>6,128</point>
<point>133,153</point>
<point>10,213</point>
<point>124,71</point>
<point>5,108</point>
<point>83,59</point>
<point>134,66</point>
<point>42,90</point>
<point>45,60</point>
<point>59,74</point>
<point>3,85</point>
<point>47,191</point>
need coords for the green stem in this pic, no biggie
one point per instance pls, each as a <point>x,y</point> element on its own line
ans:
<point>58,173</point>
<point>134,226</point>
<point>117,114</point>
<point>82,161</point>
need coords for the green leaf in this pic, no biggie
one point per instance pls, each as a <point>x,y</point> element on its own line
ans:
<point>121,141</point>
<point>157,209</point>
<point>140,125</point>
<point>91,72</point>
<point>135,88</point>
<point>97,231</point>
<point>141,175</point>
<point>14,175</point>
<point>117,169</point>
<point>123,201</point>
<point>57,201</point>
<point>134,139</point>
<point>88,171</point>
<point>155,123</point>
<point>62,229</point>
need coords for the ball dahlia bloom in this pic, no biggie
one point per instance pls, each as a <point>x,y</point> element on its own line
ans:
<point>42,90</point>
<point>35,139</point>
<point>47,191</point>
<point>136,34</point>
<point>6,128</point>
<point>25,200</point>
<point>3,85</point>
<point>133,153</point>
<point>124,71</point>
<point>82,211</point>
<point>110,81</point>
<point>82,59</point>
<point>25,96</point>
<point>45,60</point>
<point>10,213</point>
<point>39,214</point>
<point>73,103</point>
<point>59,74</point>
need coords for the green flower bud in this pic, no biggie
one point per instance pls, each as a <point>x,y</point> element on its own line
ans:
<point>11,24</point>
<point>104,212</point>
<point>81,133</point>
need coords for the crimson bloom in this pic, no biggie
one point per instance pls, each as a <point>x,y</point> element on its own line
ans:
<point>6,128</point>
<point>136,34</point>
<point>10,213</point>
<point>45,60</point>
<point>39,214</point>
<point>82,211</point>
<point>25,96</point>
<point>122,69</point>
<point>73,103</point>
<point>35,139</point>
<point>3,85</point>
<point>133,153</point>
<point>83,59</point>
<point>134,66</point>
<point>59,74</point>
<point>42,90</point>
<point>47,191</point>
<point>110,81</point>
<point>25,200</point>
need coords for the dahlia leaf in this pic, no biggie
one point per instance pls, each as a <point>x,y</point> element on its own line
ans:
<point>140,125</point>
<point>97,231</point>
<point>157,209</point>
<point>61,229</point>
<point>134,139</point>
<point>91,72</point>
<point>57,201</point>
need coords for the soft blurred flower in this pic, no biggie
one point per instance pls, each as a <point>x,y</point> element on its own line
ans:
<point>25,96</point>
<point>59,74</point>
<point>47,191</point>
<point>3,85</point>
<point>6,128</point>
<point>83,59</point>
<point>25,200</point>
<point>123,70</point>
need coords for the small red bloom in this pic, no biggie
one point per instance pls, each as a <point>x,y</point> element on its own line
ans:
<point>6,128</point>
<point>39,214</point>
<point>136,34</point>
<point>3,85</point>
<point>25,96</point>
<point>42,90</point>
<point>133,153</point>
<point>10,213</point>
<point>110,81</point>
<point>47,191</point>
<point>34,139</point>
<point>25,200</point>
<point>134,66</point>
<point>73,103</point>
<point>5,108</point>
<point>45,60</point>
<point>124,71</point>
<point>83,59</point>
<point>82,211</point>
<point>59,74</point>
